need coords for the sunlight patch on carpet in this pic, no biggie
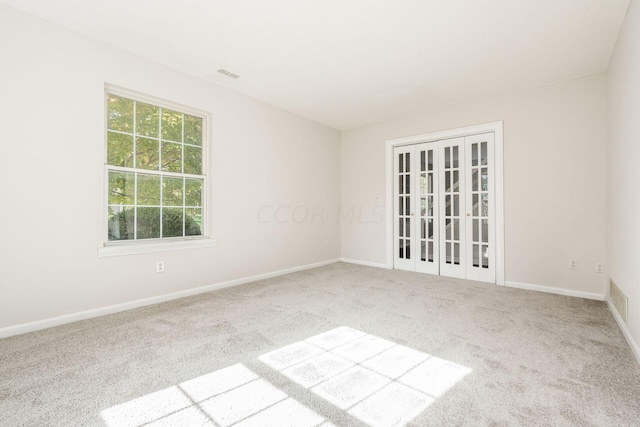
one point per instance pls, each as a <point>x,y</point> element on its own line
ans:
<point>374,380</point>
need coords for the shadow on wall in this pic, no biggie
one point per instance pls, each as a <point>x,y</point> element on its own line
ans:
<point>374,380</point>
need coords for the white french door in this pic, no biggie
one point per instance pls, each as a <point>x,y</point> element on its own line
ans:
<point>416,208</point>
<point>444,207</point>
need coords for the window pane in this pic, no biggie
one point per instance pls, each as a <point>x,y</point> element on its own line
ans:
<point>119,149</point>
<point>171,157</point>
<point>193,222</point>
<point>172,222</point>
<point>171,125</point>
<point>121,188</point>
<point>192,160</point>
<point>147,153</point>
<point>120,221</point>
<point>148,223</point>
<point>193,192</point>
<point>147,120</point>
<point>119,113</point>
<point>149,191</point>
<point>171,191</point>
<point>192,130</point>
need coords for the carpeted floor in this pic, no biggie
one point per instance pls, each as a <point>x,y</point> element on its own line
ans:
<point>339,345</point>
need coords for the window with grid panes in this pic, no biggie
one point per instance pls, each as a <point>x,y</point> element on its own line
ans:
<point>155,170</point>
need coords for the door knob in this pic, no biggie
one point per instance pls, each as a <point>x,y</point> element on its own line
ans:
<point>411,214</point>
<point>468,214</point>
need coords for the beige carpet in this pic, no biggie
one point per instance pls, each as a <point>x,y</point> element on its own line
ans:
<point>339,345</point>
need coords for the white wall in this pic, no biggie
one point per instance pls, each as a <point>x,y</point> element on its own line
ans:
<point>623,171</point>
<point>51,178</point>
<point>554,180</point>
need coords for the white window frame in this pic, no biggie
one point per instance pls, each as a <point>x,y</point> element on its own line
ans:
<point>129,247</point>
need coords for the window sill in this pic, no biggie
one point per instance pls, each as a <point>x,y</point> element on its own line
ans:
<point>133,248</point>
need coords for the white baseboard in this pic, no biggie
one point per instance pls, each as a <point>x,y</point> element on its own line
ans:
<point>88,314</point>
<point>367,263</point>
<point>557,291</point>
<point>624,329</point>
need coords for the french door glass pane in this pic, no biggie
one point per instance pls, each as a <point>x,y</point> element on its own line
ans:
<point>485,256</point>
<point>480,210</point>
<point>476,255</point>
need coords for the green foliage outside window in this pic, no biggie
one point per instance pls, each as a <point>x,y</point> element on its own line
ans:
<point>154,158</point>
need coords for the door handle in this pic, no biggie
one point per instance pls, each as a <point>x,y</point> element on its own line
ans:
<point>468,214</point>
<point>412,214</point>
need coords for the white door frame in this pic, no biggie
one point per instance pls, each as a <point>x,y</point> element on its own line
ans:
<point>497,129</point>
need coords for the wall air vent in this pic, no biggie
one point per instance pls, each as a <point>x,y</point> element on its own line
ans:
<point>618,299</point>
<point>228,73</point>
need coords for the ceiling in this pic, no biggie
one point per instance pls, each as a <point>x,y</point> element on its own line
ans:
<point>350,63</point>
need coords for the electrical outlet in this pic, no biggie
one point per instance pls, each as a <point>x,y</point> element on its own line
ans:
<point>160,267</point>
<point>599,267</point>
<point>573,264</point>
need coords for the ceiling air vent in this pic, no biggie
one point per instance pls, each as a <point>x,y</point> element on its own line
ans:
<point>228,73</point>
